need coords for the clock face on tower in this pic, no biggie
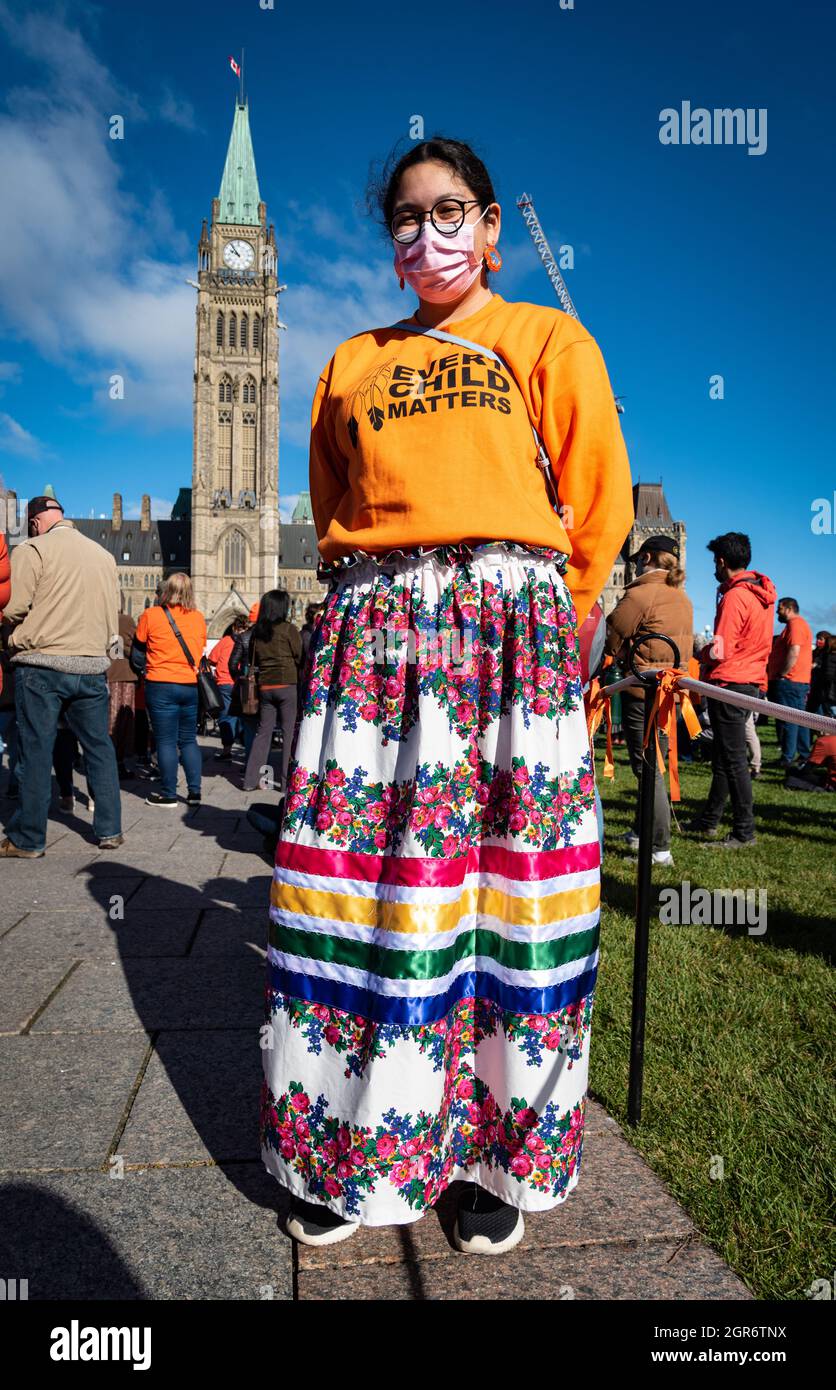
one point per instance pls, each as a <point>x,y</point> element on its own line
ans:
<point>239,255</point>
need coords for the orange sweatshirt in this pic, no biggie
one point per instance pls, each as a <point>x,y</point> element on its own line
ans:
<point>421,442</point>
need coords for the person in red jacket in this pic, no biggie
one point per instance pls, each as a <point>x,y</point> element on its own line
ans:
<point>737,661</point>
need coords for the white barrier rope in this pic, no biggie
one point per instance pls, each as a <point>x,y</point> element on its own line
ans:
<point>821,722</point>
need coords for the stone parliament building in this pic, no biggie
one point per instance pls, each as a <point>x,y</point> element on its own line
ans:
<point>225,529</point>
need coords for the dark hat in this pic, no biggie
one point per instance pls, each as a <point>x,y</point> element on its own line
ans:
<point>657,543</point>
<point>42,504</point>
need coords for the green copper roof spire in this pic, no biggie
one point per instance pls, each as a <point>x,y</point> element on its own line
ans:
<point>239,195</point>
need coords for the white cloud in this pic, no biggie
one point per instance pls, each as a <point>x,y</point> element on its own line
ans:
<point>11,371</point>
<point>14,439</point>
<point>86,289</point>
<point>177,111</point>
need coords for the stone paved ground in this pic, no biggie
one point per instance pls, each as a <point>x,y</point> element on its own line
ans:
<point>129,1077</point>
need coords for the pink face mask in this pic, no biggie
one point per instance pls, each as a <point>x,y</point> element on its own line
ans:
<point>438,267</point>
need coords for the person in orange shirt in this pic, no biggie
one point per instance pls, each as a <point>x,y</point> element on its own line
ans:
<point>437,868</point>
<point>790,669</point>
<point>228,722</point>
<point>171,685</point>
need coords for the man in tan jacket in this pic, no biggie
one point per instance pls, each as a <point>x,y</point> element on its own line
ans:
<point>64,611</point>
<point>654,602</point>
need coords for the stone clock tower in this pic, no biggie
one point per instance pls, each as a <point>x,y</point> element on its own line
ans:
<point>235,499</point>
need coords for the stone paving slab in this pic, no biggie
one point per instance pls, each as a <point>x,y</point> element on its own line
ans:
<point>33,886</point>
<point>62,1099</point>
<point>94,934</point>
<point>198,1100</point>
<point>150,994</point>
<point>22,992</point>
<point>187,1233</point>
<point>225,932</point>
<point>167,895</point>
<point>655,1270</point>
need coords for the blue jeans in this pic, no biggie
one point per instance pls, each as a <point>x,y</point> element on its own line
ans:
<point>41,697</point>
<point>229,724</point>
<point>172,709</point>
<point>792,737</point>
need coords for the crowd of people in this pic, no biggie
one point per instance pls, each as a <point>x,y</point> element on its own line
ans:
<point>80,680</point>
<point>744,657</point>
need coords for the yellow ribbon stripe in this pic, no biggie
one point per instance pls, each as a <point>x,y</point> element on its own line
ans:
<point>436,917</point>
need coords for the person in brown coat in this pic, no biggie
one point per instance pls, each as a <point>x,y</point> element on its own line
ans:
<point>276,656</point>
<point>121,682</point>
<point>655,601</point>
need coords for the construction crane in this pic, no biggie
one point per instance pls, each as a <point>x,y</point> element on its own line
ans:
<point>544,251</point>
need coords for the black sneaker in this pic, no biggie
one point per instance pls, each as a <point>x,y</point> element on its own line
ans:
<point>485,1225</point>
<point>224,757</point>
<point>705,832</point>
<point>312,1224</point>
<point>732,842</point>
<point>160,799</point>
<point>148,774</point>
<point>193,799</point>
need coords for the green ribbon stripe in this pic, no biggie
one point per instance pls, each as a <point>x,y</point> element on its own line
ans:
<point>428,965</point>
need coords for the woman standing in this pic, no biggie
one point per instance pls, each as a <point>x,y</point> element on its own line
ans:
<point>166,636</point>
<point>276,656</point>
<point>228,721</point>
<point>434,913</point>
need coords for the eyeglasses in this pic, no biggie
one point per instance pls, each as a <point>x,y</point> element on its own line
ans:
<point>447,215</point>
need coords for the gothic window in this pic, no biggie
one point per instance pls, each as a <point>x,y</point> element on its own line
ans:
<point>245,323</point>
<point>233,330</point>
<point>219,331</point>
<point>225,391</point>
<point>256,331</point>
<point>249,391</point>
<point>248,446</point>
<point>223,474</point>
<point>235,557</point>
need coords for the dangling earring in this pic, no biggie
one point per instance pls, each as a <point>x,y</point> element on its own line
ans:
<point>493,260</point>
<point>401,281</point>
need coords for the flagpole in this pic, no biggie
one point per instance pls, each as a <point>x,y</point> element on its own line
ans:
<point>242,78</point>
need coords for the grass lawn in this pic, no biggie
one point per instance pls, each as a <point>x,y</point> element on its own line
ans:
<point>740,1029</point>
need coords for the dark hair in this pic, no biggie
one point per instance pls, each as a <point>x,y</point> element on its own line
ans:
<point>825,634</point>
<point>790,603</point>
<point>384,182</point>
<point>734,548</point>
<point>273,609</point>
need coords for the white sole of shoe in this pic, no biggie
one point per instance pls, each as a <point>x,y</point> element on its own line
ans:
<point>295,1229</point>
<point>480,1245</point>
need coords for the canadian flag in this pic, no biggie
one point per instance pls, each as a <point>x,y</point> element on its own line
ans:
<point>235,67</point>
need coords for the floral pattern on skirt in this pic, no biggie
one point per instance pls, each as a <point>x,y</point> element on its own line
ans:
<point>434,917</point>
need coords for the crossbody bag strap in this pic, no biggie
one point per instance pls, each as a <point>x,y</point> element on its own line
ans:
<point>177,633</point>
<point>542,460</point>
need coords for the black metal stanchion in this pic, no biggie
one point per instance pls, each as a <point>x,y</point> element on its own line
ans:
<point>647,796</point>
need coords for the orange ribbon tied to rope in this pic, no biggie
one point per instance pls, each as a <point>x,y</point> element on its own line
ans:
<point>599,707</point>
<point>663,717</point>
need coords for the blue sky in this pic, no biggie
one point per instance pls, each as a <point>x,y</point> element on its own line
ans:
<point>690,261</point>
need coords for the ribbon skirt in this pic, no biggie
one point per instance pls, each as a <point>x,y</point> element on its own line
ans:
<point>434,917</point>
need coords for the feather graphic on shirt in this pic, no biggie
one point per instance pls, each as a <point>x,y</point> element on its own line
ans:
<point>374,405</point>
<point>368,398</point>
